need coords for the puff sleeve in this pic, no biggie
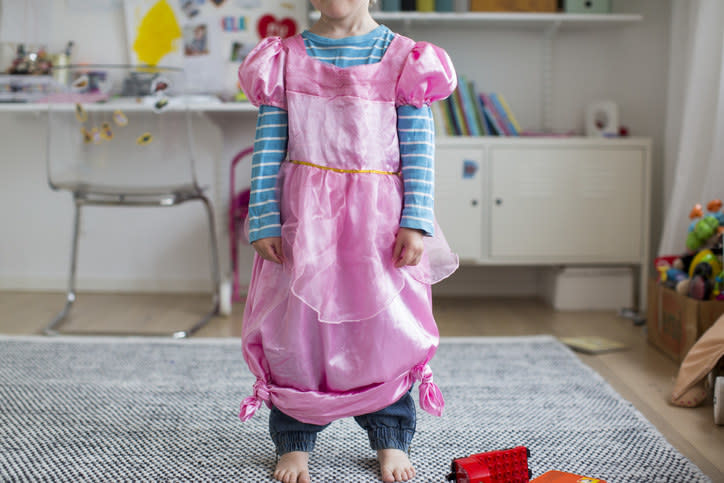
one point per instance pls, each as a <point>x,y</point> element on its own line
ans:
<point>261,75</point>
<point>427,76</point>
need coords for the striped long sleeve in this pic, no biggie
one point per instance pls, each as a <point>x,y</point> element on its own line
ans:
<point>415,133</point>
<point>270,149</point>
<point>415,130</point>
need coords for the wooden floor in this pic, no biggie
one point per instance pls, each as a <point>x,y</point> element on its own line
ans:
<point>640,374</point>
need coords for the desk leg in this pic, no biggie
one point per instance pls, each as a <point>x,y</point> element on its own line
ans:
<point>237,133</point>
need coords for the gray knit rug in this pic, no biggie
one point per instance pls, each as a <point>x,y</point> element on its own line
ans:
<point>139,409</point>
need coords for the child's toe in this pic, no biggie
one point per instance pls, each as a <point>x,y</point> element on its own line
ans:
<point>387,476</point>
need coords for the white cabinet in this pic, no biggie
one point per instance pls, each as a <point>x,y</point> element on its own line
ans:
<point>567,204</point>
<point>459,199</point>
<point>545,201</point>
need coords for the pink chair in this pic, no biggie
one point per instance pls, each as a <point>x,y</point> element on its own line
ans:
<point>238,211</point>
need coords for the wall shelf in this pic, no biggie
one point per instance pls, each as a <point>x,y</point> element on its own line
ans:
<point>504,19</point>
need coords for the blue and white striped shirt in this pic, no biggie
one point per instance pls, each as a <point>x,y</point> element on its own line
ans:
<point>415,132</point>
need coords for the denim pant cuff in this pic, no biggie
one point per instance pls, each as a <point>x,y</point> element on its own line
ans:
<point>294,441</point>
<point>390,438</point>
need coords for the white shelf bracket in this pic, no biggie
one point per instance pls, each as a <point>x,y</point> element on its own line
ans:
<point>549,35</point>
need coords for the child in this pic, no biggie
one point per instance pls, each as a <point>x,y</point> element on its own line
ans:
<point>338,320</point>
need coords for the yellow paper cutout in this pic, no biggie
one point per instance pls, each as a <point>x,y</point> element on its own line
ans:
<point>80,113</point>
<point>106,132</point>
<point>95,134</point>
<point>157,33</point>
<point>87,138</point>
<point>119,118</point>
<point>144,139</point>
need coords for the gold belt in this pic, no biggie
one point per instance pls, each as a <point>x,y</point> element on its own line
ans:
<point>340,170</point>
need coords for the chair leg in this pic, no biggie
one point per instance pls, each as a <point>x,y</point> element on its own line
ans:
<point>215,275</point>
<point>70,295</point>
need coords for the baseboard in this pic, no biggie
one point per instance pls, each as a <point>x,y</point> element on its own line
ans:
<point>479,281</point>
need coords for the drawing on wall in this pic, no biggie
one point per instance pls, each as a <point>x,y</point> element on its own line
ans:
<point>207,38</point>
<point>154,32</point>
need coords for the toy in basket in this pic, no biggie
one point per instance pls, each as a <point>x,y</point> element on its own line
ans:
<point>238,211</point>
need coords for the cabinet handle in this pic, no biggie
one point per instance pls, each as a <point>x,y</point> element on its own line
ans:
<point>474,202</point>
<point>498,201</point>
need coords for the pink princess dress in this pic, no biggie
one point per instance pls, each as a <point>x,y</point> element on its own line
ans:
<point>338,330</point>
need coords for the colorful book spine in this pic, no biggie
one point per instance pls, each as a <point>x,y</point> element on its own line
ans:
<point>497,130</point>
<point>477,108</point>
<point>450,101</point>
<point>460,111</point>
<point>447,116</point>
<point>509,112</point>
<point>425,5</point>
<point>498,118</point>
<point>438,119</point>
<point>487,125</point>
<point>444,5</point>
<point>503,114</point>
<point>408,5</point>
<point>391,5</point>
<point>468,107</point>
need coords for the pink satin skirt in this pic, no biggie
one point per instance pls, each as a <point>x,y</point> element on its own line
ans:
<point>338,330</point>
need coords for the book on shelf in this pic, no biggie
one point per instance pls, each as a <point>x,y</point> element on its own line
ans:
<point>509,113</point>
<point>425,5</point>
<point>454,116</point>
<point>447,118</point>
<point>503,113</point>
<point>438,119</point>
<point>499,119</point>
<point>491,126</point>
<point>473,113</point>
<point>408,5</point>
<point>468,108</point>
<point>444,6</point>
<point>495,128</point>
<point>460,113</point>
<point>477,110</point>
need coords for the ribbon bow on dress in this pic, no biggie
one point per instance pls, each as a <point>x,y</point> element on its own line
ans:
<point>252,403</point>
<point>431,399</point>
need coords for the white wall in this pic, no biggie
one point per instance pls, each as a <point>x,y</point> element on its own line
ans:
<point>120,247</point>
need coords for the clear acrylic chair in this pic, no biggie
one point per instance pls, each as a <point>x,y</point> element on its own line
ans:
<point>122,136</point>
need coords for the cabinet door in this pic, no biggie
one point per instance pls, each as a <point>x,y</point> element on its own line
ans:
<point>459,199</point>
<point>567,204</point>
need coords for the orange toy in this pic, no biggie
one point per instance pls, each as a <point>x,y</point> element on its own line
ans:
<point>563,477</point>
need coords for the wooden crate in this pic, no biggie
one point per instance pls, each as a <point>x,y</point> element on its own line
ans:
<point>513,5</point>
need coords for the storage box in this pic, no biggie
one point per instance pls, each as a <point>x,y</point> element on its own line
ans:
<point>594,288</point>
<point>513,5</point>
<point>676,321</point>
<point>587,6</point>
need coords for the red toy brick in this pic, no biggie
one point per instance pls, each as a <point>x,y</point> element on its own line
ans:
<point>503,466</point>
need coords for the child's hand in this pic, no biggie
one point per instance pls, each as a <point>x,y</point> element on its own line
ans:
<point>409,247</point>
<point>270,249</point>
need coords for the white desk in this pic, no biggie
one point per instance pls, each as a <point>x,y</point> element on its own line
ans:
<point>12,107</point>
<point>35,220</point>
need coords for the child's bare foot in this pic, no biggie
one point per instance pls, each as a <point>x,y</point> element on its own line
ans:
<point>293,467</point>
<point>395,465</point>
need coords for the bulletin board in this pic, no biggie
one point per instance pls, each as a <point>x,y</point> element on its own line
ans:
<point>208,38</point>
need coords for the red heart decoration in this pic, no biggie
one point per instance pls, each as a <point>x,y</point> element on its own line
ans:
<point>269,26</point>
